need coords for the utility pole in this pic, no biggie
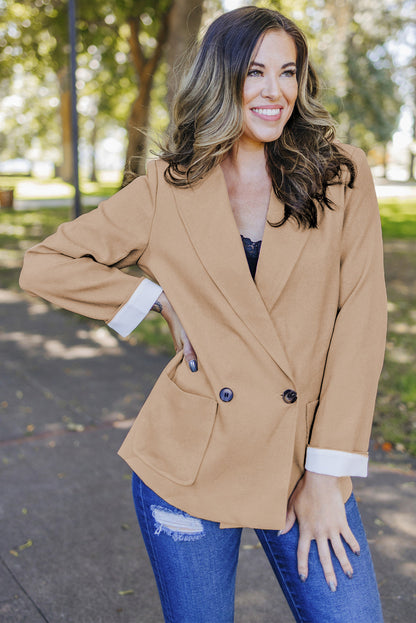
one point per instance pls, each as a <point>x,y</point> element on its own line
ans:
<point>74,115</point>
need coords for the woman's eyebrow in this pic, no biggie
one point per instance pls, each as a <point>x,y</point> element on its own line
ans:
<point>255,63</point>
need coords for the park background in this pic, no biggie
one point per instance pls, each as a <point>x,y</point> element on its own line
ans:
<point>129,54</point>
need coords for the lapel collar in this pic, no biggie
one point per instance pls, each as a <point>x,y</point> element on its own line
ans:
<point>279,253</point>
<point>207,216</point>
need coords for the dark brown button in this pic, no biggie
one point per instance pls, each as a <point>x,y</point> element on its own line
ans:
<point>226,394</point>
<point>289,396</point>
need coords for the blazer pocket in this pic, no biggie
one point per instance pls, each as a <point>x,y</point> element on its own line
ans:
<point>173,430</point>
<point>310,415</point>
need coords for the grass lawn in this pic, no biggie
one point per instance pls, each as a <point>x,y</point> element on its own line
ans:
<point>398,218</point>
<point>34,188</point>
<point>395,420</point>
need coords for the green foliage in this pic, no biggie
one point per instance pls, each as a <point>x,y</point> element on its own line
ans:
<point>349,44</point>
<point>398,218</point>
<point>34,42</point>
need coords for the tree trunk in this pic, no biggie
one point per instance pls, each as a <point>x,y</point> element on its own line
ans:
<point>412,167</point>
<point>184,24</point>
<point>412,154</point>
<point>145,71</point>
<point>93,172</point>
<point>137,127</point>
<point>385,161</point>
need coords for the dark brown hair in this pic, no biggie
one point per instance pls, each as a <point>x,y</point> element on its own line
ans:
<point>208,117</point>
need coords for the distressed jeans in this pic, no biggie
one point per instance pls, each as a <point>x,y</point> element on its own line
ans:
<point>195,564</point>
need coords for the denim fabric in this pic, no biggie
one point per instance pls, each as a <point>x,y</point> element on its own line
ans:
<point>195,563</point>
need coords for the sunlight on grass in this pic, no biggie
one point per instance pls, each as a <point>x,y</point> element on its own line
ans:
<point>398,217</point>
<point>37,188</point>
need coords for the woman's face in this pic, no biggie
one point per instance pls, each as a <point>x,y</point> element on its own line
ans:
<point>270,89</point>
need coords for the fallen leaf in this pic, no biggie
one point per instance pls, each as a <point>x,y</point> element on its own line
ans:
<point>128,592</point>
<point>28,543</point>
<point>14,553</point>
<point>76,428</point>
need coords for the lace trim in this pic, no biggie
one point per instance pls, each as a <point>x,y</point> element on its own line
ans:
<point>251,248</point>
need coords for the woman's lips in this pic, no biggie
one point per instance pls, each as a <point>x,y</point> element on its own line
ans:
<point>269,114</point>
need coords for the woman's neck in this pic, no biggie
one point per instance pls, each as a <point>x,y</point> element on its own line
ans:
<point>246,162</point>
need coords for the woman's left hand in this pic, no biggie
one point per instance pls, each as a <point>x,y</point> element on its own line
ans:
<point>318,506</point>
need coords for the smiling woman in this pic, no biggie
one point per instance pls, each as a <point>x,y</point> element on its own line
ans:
<point>259,235</point>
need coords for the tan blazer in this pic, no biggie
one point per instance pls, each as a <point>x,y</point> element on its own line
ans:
<point>313,321</point>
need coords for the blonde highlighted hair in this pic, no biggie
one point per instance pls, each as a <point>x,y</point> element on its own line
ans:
<point>208,117</point>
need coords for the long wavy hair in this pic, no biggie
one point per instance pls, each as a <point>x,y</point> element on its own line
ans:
<point>208,118</point>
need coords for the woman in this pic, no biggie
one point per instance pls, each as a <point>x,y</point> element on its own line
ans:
<point>265,411</point>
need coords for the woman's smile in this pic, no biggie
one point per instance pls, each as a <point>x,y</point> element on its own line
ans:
<point>270,88</point>
<point>269,113</point>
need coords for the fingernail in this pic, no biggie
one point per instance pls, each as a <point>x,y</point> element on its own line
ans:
<point>279,532</point>
<point>332,586</point>
<point>302,577</point>
<point>193,365</point>
<point>349,574</point>
<point>357,553</point>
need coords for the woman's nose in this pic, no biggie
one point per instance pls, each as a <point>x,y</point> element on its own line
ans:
<point>271,88</point>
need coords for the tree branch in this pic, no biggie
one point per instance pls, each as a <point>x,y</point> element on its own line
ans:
<point>162,37</point>
<point>137,55</point>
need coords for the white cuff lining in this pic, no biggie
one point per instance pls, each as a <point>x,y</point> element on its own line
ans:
<point>136,308</point>
<point>336,462</point>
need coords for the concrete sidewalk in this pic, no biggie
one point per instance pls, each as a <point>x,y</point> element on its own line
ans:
<point>70,548</point>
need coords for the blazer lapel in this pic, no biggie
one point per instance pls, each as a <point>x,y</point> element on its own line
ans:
<point>207,216</point>
<point>280,250</point>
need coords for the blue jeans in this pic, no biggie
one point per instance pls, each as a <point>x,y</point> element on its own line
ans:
<point>195,564</point>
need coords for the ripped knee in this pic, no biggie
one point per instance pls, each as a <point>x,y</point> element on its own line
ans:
<point>176,524</point>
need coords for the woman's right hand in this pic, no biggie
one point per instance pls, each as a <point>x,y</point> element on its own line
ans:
<point>180,339</point>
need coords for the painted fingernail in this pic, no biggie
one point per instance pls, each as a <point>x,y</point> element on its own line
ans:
<point>332,586</point>
<point>279,532</point>
<point>349,574</point>
<point>193,365</point>
<point>302,577</point>
<point>357,553</point>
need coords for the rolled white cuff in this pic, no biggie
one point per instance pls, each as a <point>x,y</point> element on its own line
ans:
<point>336,462</point>
<point>137,307</point>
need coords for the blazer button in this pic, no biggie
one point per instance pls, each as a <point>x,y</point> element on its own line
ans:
<point>226,394</point>
<point>289,396</point>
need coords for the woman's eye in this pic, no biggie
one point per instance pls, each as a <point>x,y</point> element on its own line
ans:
<point>289,73</point>
<point>254,72</point>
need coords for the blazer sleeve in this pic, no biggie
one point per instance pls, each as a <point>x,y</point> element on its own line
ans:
<point>341,429</point>
<point>78,267</point>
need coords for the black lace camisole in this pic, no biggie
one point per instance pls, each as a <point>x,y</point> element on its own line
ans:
<point>252,250</point>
